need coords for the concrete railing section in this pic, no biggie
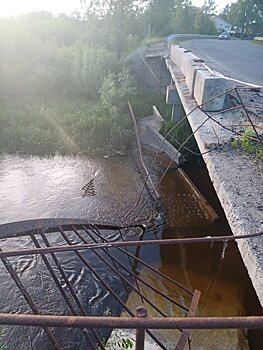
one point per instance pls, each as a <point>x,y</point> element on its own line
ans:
<point>206,86</point>
<point>149,135</point>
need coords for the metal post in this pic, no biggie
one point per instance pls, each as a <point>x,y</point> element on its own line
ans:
<point>141,311</point>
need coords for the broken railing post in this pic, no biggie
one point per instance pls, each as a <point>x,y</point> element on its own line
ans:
<point>141,311</point>
<point>191,313</point>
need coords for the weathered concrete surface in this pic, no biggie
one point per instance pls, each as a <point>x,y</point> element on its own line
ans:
<point>208,86</point>
<point>173,99</point>
<point>149,134</point>
<point>237,177</point>
<point>203,83</point>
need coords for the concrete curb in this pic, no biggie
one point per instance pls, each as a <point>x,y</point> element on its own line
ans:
<point>239,192</point>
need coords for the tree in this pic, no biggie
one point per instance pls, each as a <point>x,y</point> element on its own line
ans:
<point>247,15</point>
<point>159,14</point>
<point>203,23</point>
<point>116,14</point>
<point>183,21</point>
<point>209,7</point>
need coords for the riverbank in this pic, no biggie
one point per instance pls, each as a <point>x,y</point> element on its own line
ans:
<point>67,126</point>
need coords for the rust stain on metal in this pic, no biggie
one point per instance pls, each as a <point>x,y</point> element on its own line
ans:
<point>242,322</point>
<point>39,236</point>
<point>141,312</point>
<point>191,313</point>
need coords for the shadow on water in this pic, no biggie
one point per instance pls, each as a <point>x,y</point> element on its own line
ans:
<point>34,187</point>
<point>216,269</point>
<point>41,187</point>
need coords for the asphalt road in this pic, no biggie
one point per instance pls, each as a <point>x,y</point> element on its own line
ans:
<point>238,59</point>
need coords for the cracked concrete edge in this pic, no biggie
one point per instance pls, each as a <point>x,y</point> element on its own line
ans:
<point>242,218</point>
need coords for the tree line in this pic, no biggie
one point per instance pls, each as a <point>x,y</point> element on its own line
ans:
<point>69,71</point>
<point>245,16</point>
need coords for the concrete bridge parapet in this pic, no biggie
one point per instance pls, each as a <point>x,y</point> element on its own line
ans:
<point>206,86</point>
<point>236,175</point>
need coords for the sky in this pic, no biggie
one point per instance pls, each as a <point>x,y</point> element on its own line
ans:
<point>16,7</point>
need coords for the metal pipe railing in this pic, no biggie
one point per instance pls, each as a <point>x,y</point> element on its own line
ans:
<point>238,322</point>
<point>190,240</point>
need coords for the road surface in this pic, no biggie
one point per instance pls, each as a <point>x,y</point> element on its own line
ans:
<point>238,59</point>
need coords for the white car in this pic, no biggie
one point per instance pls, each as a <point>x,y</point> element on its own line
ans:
<point>224,36</point>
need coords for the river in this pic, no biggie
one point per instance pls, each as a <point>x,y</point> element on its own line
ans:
<point>33,187</point>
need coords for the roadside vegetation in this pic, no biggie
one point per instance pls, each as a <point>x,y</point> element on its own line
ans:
<point>249,142</point>
<point>245,17</point>
<point>64,85</point>
<point>259,42</point>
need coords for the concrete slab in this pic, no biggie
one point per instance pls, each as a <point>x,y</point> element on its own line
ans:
<point>206,88</point>
<point>172,97</point>
<point>192,68</point>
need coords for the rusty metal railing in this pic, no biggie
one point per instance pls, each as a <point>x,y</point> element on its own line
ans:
<point>90,238</point>
<point>83,239</point>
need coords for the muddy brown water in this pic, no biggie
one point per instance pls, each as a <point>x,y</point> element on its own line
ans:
<point>39,187</point>
<point>215,269</point>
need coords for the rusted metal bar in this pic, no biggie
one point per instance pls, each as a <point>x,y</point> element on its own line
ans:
<point>22,228</point>
<point>59,249</point>
<point>248,116</point>
<point>249,322</point>
<point>136,278</point>
<point>140,153</point>
<point>105,250</point>
<point>110,290</point>
<point>141,312</point>
<point>29,301</point>
<point>125,251</point>
<point>66,299</point>
<point>136,290</point>
<point>96,231</point>
<point>191,313</point>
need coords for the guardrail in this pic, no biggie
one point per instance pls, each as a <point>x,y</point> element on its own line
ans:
<point>203,83</point>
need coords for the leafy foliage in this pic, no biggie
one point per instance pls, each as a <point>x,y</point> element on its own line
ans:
<point>62,82</point>
<point>69,125</point>
<point>118,341</point>
<point>249,143</point>
<point>2,334</point>
<point>246,15</point>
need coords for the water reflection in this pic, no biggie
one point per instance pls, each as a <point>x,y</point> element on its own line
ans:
<point>34,187</point>
<point>38,187</point>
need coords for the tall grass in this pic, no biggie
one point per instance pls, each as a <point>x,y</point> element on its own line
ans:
<point>180,135</point>
<point>65,126</point>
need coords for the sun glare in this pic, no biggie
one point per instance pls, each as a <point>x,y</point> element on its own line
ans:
<point>16,7</point>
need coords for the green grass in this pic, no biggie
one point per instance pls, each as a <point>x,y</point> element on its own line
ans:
<point>65,126</point>
<point>144,101</point>
<point>2,334</point>
<point>249,143</point>
<point>71,126</point>
<point>259,42</point>
<point>178,134</point>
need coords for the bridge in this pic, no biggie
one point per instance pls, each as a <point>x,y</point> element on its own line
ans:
<point>203,95</point>
<point>218,110</point>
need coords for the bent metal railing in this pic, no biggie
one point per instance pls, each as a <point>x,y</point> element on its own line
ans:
<point>83,238</point>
